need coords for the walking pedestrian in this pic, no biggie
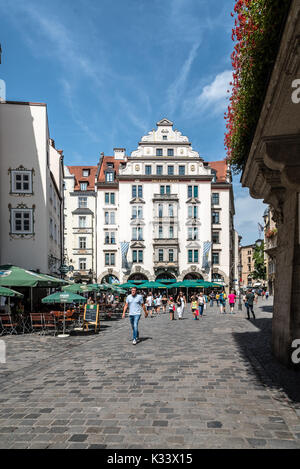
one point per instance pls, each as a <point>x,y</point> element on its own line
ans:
<point>223,302</point>
<point>181,302</point>
<point>249,304</point>
<point>194,307</point>
<point>211,298</point>
<point>149,304</point>
<point>135,303</point>
<point>218,298</point>
<point>201,304</point>
<point>158,303</point>
<point>231,299</point>
<point>171,305</point>
<point>164,301</point>
<point>267,294</point>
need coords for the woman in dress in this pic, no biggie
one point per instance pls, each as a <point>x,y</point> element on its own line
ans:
<point>181,302</point>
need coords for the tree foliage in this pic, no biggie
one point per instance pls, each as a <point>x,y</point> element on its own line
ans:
<point>259,262</point>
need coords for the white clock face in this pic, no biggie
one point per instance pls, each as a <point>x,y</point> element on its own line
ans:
<point>137,167</point>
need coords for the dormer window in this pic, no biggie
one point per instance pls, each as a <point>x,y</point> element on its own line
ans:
<point>214,174</point>
<point>83,186</point>
<point>85,173</point>
<point>109,176</point>
<point>165,137</point>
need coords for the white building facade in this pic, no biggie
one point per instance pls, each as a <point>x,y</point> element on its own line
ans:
<point>163,212</point>
<point>31,178</point>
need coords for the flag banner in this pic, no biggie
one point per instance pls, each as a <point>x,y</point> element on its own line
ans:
<point>124,251</point>
<point>206,249</point>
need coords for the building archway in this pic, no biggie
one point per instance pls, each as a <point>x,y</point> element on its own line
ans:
<point>217,278</point>
<point>193,276</point>
<point>137,276</point>
<point>165,276</point>
<point>106,275</point>
<point>110,279</point>
<point>193,273</point>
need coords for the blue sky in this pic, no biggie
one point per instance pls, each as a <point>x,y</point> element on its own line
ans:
<point>109,70</point>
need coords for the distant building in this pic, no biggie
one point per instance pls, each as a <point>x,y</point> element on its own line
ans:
<point>163,212</point>
<point>31,181</point>
<point>80,222</point>
<point>248,267</point>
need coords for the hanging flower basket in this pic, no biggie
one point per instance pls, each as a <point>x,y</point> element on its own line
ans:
<point>257,34</point>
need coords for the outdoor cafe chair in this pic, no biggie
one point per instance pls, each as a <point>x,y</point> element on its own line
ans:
<point>37,322</point>
<point>8,325</point>
<point>49,323</point>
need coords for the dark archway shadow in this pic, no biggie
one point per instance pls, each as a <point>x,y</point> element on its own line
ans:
<point>255,347</point>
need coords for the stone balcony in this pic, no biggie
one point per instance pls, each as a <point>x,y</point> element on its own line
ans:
<point>168,220</point>
<point>165,197</point>
<point>168,266</point>
<point>165,242</point>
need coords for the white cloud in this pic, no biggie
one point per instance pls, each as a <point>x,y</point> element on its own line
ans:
<point>213,98</point>
<point>217,90</point>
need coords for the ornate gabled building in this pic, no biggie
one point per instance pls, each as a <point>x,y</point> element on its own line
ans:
<point>163,212</point>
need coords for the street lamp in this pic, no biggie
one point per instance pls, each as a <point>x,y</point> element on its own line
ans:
<point>240,267</point>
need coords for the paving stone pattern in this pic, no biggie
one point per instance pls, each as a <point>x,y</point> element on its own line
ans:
<point>211,383</point>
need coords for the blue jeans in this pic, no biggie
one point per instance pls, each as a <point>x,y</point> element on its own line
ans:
<point>201,307</point>
<point>134,321</point>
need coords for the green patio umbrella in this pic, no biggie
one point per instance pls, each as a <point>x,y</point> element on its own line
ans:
<point>8,292</point>
<point>79,288</point>
<point>152,285</point>
<point>13,276</point>
<point>127,285</point>
<point>65,298</point>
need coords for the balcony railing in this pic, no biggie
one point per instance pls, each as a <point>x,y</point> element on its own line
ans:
<point>158,197</point>
<point>165,241</point>
<point>166,264</point>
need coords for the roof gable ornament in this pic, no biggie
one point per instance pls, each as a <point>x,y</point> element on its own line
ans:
<point>164,122</point>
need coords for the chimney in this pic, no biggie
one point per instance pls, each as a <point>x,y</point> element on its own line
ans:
<point>119,153</point>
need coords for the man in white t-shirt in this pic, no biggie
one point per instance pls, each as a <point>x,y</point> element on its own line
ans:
<point>135,304</point>
<point>149,304</point>
<point>158,303</point>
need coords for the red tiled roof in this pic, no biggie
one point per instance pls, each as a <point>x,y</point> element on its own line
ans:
<point>221,168</point>
<point>77,172</point>
<point>104,167</point>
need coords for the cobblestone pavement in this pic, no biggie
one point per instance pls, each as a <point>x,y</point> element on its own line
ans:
<point>210,383</point>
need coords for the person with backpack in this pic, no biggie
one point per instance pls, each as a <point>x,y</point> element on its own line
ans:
<point>223,302</point>
<point>249,304</point>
